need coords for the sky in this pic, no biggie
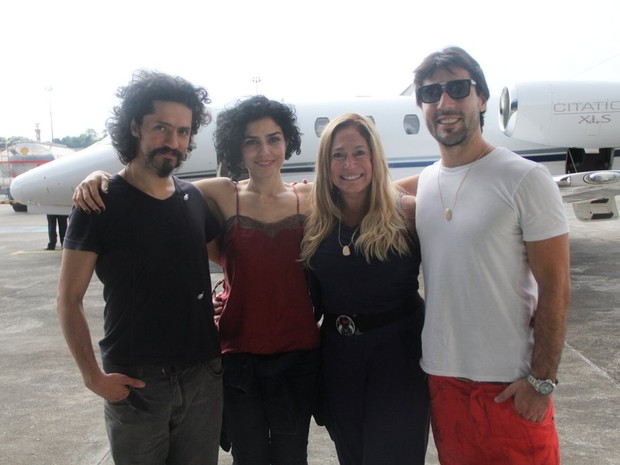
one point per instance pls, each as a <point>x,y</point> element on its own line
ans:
<point>61,62</point>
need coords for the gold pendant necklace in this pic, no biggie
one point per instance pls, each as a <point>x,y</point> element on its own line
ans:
<point>447,211</point>
<point>346,249</point>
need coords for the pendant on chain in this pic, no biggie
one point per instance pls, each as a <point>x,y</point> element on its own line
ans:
<point>447,212</point>
<point>346,248</point>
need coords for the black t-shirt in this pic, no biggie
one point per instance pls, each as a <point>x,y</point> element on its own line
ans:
<point>153,263</point>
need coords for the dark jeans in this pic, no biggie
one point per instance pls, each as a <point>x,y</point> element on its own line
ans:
<point>174,420</point>
<point>268,402</point>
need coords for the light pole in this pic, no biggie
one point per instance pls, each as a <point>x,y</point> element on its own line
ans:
<point>256,80</point>
<point>50,89</point>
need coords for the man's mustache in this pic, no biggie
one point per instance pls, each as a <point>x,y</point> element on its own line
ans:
<point>166,150</point>
<point>440,113</point>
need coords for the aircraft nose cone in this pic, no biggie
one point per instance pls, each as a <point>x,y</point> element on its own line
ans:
<point>18,190</point>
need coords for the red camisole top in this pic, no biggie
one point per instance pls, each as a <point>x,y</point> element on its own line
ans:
<point>267,308</point>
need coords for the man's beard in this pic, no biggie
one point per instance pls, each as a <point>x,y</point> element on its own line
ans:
<point>452,138</point>
<point>167,166</point>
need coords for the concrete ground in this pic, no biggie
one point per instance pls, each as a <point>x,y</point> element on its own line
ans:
<point>48,417</point>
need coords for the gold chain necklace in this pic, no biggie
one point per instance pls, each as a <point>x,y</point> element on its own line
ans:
<point>447,211</point>
<point>346,249</point>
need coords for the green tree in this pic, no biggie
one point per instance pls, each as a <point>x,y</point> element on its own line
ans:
<point>85,139</point>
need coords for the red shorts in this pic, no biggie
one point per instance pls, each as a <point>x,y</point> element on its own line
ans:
<point>470,428</point>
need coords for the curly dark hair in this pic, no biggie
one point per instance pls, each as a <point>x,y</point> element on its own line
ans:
<point>448,58</point>
<point>232,123</point>
<point>137,100</point>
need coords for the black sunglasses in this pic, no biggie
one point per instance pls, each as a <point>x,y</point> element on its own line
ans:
<point>457,89</point>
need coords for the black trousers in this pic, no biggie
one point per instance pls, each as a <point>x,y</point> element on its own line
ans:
<point>51,229</point>
<point>268,401</point>
<point>377,394</point>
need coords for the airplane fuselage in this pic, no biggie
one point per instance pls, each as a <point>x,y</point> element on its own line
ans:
<point>407,142</point>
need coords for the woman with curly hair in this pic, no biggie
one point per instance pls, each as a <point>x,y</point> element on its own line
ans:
<point>268,333</point>
<point>269,336</point>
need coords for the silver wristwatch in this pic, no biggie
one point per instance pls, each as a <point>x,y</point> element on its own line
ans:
<point>542,386</point>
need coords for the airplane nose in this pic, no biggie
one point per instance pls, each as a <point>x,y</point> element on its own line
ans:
<point>18,188</point>
<point>52,183</point>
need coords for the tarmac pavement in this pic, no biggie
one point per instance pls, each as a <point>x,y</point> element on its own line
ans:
<point>48,417</point>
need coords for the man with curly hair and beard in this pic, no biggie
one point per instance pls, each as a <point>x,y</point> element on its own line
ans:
<point>268,333</point>
<point>162,374</point>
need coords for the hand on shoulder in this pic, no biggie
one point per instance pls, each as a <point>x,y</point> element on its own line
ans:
<point>87,195</point>
<point>304,186</point>
<point>408,184</point>
<point>304,189</point>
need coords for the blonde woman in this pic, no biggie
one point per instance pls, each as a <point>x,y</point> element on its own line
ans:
<point>362,258</point>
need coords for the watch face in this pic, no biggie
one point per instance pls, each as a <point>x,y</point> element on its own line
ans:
<point>545,388</point>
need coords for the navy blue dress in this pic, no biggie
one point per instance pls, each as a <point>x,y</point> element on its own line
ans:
<point>376,391</point>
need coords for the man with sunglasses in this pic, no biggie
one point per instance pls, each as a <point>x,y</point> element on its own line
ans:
<point>494,238</point>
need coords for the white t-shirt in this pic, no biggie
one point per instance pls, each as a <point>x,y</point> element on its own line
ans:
<point>480,291</point>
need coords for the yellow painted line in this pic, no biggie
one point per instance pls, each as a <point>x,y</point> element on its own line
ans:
<point>29,252</point>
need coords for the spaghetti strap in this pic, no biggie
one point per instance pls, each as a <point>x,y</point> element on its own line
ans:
<point>296,196</point>
<point>237,195</point>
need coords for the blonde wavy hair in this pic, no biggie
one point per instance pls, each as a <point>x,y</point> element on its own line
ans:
<point>383,228</point>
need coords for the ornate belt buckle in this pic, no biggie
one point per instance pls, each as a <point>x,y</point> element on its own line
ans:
<point>345,325</point>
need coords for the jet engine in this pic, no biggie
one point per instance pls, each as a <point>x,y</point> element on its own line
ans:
<point>563,114</point>
<point>582,116</point>
<point>585,118</point>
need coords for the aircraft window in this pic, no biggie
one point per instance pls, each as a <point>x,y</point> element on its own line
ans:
<point>319,125</point>
<point>411,123</point>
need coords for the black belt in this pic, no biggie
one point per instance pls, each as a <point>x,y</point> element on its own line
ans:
<point>355,325</point>
<point>150,370</point>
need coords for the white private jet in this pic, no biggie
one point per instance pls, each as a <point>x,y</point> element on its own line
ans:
<point>571,127</point>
